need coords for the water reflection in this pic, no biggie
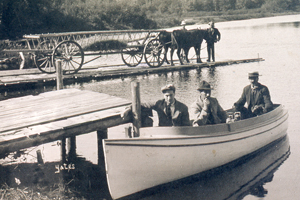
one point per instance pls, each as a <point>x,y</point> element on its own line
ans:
<point>243,177</point>
<point>186,82</point>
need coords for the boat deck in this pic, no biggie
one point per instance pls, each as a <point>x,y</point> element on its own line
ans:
<point>32,120</point>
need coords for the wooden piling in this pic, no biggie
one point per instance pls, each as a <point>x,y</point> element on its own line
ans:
<point>101,134</point>
<point>59,76</point>
<point>59,86</point>
<point>39,157</point>
<point>136,108</point>
<point>63,150</point>
<point>71,148</point>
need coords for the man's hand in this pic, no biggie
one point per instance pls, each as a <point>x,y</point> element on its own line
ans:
<point>125,113</point>
<point>255,108</point>
<point>195,123</point>
<point>229,120</point>
<point>206,104</point>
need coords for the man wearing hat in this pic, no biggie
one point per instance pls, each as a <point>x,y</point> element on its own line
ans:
<point>183,23</point>
<point>257,97</point>
<point>206,109</point>
<point>170,111</point>
<point>213,36</point>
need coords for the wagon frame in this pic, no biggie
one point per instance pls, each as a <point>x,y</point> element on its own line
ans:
<point>70,48</point>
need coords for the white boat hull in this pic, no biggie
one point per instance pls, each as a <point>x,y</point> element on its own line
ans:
<point>164,154</point>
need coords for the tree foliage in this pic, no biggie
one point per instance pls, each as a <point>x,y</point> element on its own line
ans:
<point>19,17</point>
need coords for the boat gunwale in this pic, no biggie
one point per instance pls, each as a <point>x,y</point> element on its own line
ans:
<point>283,115</point>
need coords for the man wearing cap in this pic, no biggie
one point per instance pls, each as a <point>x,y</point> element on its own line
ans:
<point>257,97</point>
<point>213,36</point>
<point>206,109</point>
<point>170,111</point>
<point>183,23</point>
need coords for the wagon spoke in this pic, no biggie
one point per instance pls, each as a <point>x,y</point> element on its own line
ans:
<point>44,61</point>
<point>78,63</point>
<point>71,63</point>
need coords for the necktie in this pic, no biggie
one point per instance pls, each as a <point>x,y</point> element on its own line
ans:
<point>168,111</point>
<point>253,90</point>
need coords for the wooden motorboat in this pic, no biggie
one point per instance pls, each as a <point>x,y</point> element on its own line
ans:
<point>242,177</point>
<point>164,154</point>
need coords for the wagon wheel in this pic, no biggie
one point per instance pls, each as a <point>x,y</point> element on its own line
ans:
<point>154,53</point>
<point>42,58</point>
<point>188,59</point>
<point>132,56</point>
<point>71,55</point>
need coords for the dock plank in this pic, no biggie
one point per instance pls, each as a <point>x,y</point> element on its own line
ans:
<point>38,134</point>
<point>52,108</point>
<point>46,116</point>
<point>43,102</point>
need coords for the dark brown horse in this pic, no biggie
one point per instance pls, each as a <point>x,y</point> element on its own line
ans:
<point>183,39</point>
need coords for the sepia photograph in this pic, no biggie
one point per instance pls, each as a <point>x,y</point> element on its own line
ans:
<point>149,99</point>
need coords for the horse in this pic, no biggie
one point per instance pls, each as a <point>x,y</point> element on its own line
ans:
<point>183,39</point>
<point>165,38</point>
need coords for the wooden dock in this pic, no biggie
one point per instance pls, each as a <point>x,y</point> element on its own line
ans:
<point>32,120</point>
<point>17,78</point>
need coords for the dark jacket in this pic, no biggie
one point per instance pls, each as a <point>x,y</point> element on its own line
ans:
<point>180,116</point>
<point>215,115</point>
<point>213,36</point>
<point>260,97</point>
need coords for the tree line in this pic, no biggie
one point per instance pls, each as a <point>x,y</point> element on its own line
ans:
<point>19,17</point>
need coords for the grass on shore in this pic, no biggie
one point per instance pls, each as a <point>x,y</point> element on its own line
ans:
<point>170,20</point>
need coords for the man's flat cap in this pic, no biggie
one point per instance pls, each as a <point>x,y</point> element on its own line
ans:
<point>168,87</point>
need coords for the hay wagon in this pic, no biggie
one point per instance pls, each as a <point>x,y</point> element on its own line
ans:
<point>72,48</point>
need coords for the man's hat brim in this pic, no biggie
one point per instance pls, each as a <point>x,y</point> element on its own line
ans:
<point>253,75</point>
<point>204,86</point>
<point>168,87</point>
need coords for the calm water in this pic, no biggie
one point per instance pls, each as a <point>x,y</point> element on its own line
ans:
<point>274,39</point>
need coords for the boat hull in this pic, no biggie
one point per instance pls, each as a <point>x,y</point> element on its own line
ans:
<point>165,154</point>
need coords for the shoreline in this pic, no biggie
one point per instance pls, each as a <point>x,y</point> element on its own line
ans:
<point>199,18</point>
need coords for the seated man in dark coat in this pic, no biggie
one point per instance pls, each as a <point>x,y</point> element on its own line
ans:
<point>257,97</point>
<point>170,111</point>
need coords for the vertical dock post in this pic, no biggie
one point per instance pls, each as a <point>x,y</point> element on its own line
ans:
<point>63,150</point>
<point>59,86</point>
<point>59,76</point>
<point>136,108</point>
<point>101,134</point>
<point>69,146</point>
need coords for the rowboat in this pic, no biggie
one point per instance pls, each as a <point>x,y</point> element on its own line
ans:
<point>164,154</point>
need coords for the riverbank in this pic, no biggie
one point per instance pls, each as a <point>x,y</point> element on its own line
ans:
<point>195,18</point>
